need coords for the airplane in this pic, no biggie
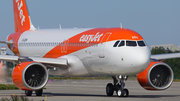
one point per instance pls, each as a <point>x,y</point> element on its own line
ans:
<point>82,52</point>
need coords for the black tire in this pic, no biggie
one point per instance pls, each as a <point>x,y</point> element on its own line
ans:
<point>28,93</point>
<point>126,93</point>
<point>109,89</point>
<point>39,92</point>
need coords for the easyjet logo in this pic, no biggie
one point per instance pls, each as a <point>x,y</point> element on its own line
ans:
<point>90,38</point>
<point>21,15</point>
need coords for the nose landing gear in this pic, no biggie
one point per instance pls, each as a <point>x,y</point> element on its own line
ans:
<point>118,87</point>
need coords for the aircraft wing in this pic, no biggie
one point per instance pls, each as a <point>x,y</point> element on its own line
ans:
<point>165,56</point>
<point>6,42</point>
<point>49,62</point>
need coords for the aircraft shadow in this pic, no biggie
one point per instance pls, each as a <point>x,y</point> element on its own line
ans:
<point>68,94</point>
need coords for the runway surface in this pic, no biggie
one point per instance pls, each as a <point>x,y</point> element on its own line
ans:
<point>94,90</point>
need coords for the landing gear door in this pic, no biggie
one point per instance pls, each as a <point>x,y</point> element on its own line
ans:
<point>103,43</point>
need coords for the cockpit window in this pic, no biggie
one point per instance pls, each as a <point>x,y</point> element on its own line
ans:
<point>116,43</point>
<point>131,43</point>
<point>141,43</point>
<point>121,44</point>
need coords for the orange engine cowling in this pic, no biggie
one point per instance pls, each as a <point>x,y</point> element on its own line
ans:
<point>30,76</point>
<point>158,76</point>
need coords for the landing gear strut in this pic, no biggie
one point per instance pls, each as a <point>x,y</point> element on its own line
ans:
<point>118,87</point>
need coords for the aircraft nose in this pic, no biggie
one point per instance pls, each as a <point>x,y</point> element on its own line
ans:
<point>141,59</point>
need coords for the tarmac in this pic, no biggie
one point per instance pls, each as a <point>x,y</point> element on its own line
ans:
<point>95,90</point>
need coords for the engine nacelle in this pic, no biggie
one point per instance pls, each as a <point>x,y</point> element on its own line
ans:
<point>158,76</point>
<point>30,76</point>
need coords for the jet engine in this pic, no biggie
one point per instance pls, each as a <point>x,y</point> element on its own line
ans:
<point>30,76</point>
<point>158,76</point>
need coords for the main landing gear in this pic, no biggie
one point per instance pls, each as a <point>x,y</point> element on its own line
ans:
<point>118,87</point>
<point>38,92</point>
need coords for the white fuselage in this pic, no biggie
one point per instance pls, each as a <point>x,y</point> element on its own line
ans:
<point>96,59</point>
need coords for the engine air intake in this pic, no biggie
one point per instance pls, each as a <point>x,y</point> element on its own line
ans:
<point>158,76</point>
<point>30,76</point>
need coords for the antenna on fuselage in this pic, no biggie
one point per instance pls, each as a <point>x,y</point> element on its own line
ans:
<point>60,26</point>
<point>120,25</point>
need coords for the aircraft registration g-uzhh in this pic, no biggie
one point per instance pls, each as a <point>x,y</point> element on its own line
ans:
<point>116,52</point>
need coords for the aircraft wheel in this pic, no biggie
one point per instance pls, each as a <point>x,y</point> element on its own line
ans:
<point>39,92</point>
<point>126,93</point>
<point>28,93</point>
<point>119,93</point>
<point>109,89</point>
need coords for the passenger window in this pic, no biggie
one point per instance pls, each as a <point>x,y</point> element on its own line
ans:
<point>116,43</point>
<point>141,43</point>
<point>121,44</point>
<point>131,43</point>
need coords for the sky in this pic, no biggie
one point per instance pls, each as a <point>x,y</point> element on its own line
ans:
<point>157,21</point>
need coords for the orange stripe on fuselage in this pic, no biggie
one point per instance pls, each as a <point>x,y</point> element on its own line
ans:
<point>91,37</point>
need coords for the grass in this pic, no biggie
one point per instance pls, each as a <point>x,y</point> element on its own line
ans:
<point>16,98</point>
<point>8,87</point>
<point>176,80</point>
